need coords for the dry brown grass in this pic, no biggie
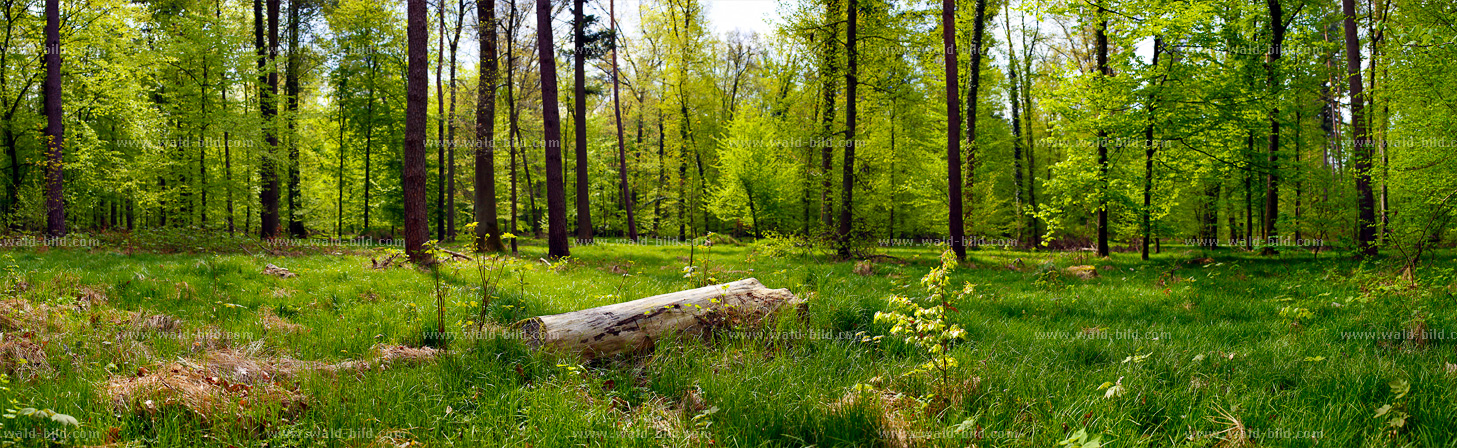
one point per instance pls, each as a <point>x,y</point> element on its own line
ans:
<point>22,358</point>
<point>237,387</point>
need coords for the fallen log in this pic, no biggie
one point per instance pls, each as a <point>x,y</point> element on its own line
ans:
<point>631,326</point>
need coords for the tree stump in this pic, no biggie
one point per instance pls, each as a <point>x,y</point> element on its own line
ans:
<point>631,326</point>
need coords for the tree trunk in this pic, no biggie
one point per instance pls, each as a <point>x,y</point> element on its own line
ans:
<point>440,174</point>
<point>847,185</point>
<point>829,66</point>
<point>953,129</point>
<point>55,127</point>
<point>1103,72</point>
<point>1013,93</point>
<point>635,326</point>
<point>449,207</point>
<point>291,85</point>
<point>579,124</point>
<point>417,221</point>
<point>621,146</point>
<point>1272,82</point>
<point>1148,152</point>
<point>1365,199</point>
<point>551,126</point>
<point>488,229</point>
<point>973,78</point>
<point>268,167</point>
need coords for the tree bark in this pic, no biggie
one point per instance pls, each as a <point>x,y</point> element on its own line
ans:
<point>1103,72</point>
<point>953,129</point>
<point>847,185</point>
<point>973,78</point>
<point>551,126</point>
<point>635,326</point>
<point>449,207</point>
<point>1365,199</point>
<point>417,221</point>
<point>1272,82</point>
<point>440,174</point>
<point>55,127</point>
<point>828,67</point>
<point>1149,150</point>
<point>621,146</point>
<point>579,124</point>
<point>291,85</point>
<point>488,229</point>
<point>268,165</point>
<point>1013,83</point>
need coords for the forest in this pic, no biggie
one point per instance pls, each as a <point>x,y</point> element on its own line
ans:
<point>552,223</point>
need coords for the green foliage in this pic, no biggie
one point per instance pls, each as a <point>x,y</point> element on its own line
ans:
<point>923,322</point>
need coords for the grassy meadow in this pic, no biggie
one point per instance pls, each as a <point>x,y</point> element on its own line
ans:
<point>1194,348</point>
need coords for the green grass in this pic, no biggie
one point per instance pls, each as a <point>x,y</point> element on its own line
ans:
<point>1038,347</point>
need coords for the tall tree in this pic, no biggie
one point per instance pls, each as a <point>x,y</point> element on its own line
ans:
<point>1365,198</point>
<point>1013,86</point>
<point>268,106</point>
<point>1278,26</point>
<point>55,128</point>
<point>551,128</point>
<point>291,93</point>
<point>440,169</point>
<point>1103,72</point>
<point>973,80</point>
<point>847,186</point>
<point>579,124</point>
<point>829,64</point>
<point>617,114</point>
<point>488,228</point>
<point>953,129</point>
<point>1149,150</point>
<point>417,224</point>
<point>449,206</point>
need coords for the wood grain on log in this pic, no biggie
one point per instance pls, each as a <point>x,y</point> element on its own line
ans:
<point>630,326</point>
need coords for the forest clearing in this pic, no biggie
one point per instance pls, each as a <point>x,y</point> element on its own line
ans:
<point>1181,350</point>
<point>739,223</point>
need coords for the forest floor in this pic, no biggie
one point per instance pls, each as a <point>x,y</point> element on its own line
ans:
<point>1193,348</point>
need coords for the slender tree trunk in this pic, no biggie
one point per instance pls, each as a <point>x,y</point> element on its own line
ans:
<point>227,148</point>
<point>55,126</point>
<point>1272,82</point>
<point>551,126</point>
<point>450,210</point>
<point>202,144</point>
<point>368,147</point>
<point>488,228</point>
<point>579,124</point>
<point>847,185</point>
<point>511,112</point>
<point>662,176</point>
<point>953,129</point>
<point>1148,153</point>
<point>829,66</point>
<point>339,179</point>
<point>295,194</point>
<point>627,198</point>
<point>1299,179</point>
<point>1365,200</point>
<point>1103,72</point>
<point>973,78</point>
<point>1013,86</point>
<point>1249,228</point>
<point>417,221</point>
<point>440,174</point>
<point>268,166</point>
